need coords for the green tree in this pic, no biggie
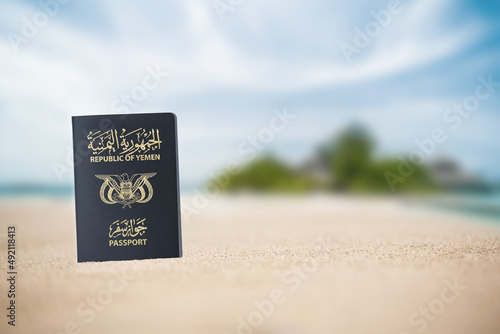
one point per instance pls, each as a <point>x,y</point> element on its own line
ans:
<point>348,158</point>
<point>269,175</point>
<point>353,168</point>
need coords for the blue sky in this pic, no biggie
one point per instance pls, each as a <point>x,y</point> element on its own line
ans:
<point>227,76</point>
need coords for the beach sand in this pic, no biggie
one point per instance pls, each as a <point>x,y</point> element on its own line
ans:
<point>264,265</point>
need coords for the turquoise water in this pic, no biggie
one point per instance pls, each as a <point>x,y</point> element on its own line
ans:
<point>56,190</point>
<point>485,206</point>
<point>21,191</point>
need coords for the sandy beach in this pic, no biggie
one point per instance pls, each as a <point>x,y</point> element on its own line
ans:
<point>264,265</point>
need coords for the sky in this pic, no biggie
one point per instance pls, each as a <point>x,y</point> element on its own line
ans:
<point>227,67</point>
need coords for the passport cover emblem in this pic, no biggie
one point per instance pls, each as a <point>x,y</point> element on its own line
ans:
<point>124,190</point>
<point>126,187</point>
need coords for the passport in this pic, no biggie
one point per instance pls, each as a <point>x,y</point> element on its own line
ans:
<point>126,187</point>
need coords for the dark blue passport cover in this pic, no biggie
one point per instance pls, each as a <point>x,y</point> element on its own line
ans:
<point>126,187</point>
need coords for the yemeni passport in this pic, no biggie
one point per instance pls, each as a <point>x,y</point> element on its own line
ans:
<point>126,187</point>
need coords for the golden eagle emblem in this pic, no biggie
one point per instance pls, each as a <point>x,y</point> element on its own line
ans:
<point>120,189</point>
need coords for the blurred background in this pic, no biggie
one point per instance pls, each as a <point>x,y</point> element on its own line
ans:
<point>366,84</point>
